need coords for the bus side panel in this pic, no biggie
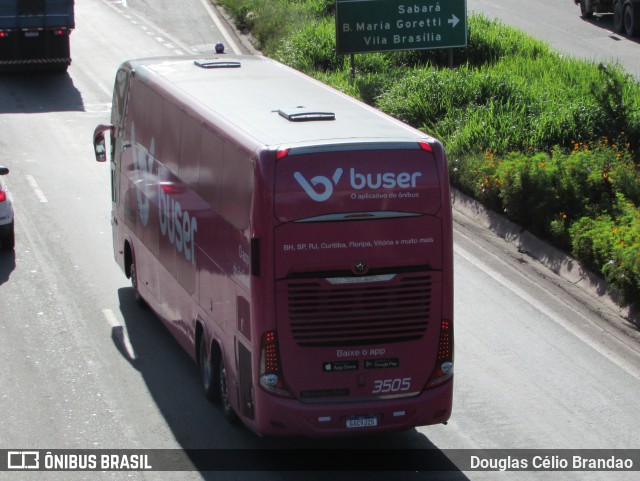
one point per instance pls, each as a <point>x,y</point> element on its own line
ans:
<point>191,259</point>
<point>159,211</point>
<point>223,269</point>
<point>225,180</point>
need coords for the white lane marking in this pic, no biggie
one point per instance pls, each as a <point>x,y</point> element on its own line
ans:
<point>147,25</point>
<point>98,108</point>
<point>129,15</point>
<point>214,16</point>
<point>36,190</point>
<point>607,353</point>
<point>121,333</point>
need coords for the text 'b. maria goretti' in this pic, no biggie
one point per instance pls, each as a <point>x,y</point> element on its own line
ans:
<point>375,25</point>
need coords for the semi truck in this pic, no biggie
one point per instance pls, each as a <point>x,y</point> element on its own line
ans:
<point>626,13</point>
<point>34,34</point>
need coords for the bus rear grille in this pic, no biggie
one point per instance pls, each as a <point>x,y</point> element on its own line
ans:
<point>359,314</point>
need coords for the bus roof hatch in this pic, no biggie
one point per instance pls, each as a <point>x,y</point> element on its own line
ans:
<point>304,114</point>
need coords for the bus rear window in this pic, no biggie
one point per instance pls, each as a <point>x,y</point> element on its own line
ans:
<point>353,184</point>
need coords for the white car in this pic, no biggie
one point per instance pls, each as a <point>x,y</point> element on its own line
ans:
<point>7,238</point>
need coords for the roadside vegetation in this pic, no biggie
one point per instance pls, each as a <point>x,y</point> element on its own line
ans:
<point>553,143</point>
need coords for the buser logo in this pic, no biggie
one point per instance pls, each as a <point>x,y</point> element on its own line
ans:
<point>379,180</point>
<point>325,185</point>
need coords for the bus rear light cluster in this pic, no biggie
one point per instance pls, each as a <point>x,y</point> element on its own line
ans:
<point>425,146</point>
<point>444,363</point>
<point>4,34</point>
<point>271,378</point>
<point>282,153</point>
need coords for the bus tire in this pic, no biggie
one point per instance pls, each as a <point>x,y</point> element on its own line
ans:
<point>618,17</point>
<point>227,410</point>
<point>209,372</point>
<point>631,26</point>
<point>134,284</point>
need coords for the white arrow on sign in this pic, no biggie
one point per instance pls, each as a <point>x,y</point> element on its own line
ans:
<point>453,21</point>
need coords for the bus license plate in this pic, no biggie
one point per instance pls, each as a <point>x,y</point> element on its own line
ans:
<point>362,421</point>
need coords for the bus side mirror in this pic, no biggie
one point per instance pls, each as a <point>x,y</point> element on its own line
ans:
<point>99,144</point>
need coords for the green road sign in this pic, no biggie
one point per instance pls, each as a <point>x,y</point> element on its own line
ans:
<point>388,25</point>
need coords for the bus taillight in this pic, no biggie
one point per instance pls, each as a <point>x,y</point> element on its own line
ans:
<point>444,364</point>
<point>425,146</point>
<point>271,378</point>
<point>282,153</point>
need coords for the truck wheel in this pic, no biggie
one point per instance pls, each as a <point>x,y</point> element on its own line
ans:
<point>227,410</point>
<point>583,10</point>
<point>618,17</point>
<point>630,22</point>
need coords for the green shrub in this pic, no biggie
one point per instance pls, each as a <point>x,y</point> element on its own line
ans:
<point>311,48</point>
<point>491,41</point>
<point>549,193</point>
<point>270,21</point>
<point>611,245</point>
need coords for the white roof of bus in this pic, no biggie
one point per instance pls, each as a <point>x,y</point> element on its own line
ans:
<point>250,97</point>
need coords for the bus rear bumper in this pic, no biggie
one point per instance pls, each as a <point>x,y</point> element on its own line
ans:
<point>287,417</point>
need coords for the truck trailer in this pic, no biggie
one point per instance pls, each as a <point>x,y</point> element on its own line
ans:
<point>34,34</point>
<point>626,13</point>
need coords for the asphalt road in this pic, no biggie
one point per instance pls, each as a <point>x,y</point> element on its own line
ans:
<point>558,22</point>
<point>83,366</point>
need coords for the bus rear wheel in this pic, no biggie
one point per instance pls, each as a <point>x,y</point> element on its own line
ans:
<point>134,284</point>
<point>208,372</point>
<point>227,410</point>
